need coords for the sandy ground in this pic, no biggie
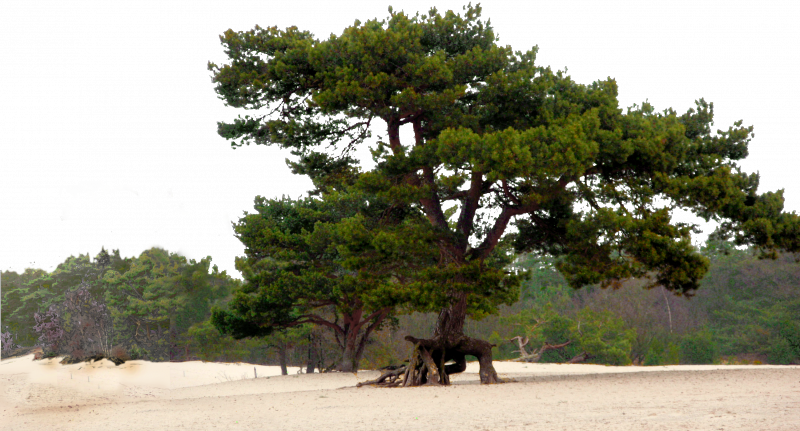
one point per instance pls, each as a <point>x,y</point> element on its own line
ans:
<point>140,395</point>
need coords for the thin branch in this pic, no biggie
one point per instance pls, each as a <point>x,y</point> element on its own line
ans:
<point>361,135</point>
<point>459,195</point>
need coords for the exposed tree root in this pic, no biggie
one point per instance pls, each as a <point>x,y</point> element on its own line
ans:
<point>428,364</point>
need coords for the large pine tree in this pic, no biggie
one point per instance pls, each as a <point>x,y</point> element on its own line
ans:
<point>514,151</point>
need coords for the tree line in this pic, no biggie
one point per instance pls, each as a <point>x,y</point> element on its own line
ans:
<point>157,307</point>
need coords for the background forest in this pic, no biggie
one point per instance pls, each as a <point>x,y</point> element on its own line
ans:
<point>157,307</point>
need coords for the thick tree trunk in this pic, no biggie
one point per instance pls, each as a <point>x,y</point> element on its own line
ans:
<point>430,356</point>
<point>352,326</point>
<point>348,362</point>
<point>282,359</point>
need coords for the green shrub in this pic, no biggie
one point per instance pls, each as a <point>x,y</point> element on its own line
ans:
<point>662,353</point>
<point>137,352</point>
<point>699,348</point>
<point>781,351</point>
<point>655,353</point>
<point>560,329</point>
<point>790,332</point>
<point>673,354</point>
<point>602,335</point>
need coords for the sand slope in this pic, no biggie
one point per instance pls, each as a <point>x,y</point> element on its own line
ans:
<point>140,395</point>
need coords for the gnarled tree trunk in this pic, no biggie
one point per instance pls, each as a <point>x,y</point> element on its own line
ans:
<point>428,362</point>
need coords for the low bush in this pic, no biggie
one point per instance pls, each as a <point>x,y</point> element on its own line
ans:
<point>662,353</point>
<point>699,348</point>
<point>121,353</point>
<point>781,351</point>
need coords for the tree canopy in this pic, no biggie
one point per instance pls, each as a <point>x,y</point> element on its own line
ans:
<point>515,152</point>
<point>344,260</point>
<point>493,130</point>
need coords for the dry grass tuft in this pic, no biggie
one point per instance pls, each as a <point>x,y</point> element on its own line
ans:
<point>120,352</point>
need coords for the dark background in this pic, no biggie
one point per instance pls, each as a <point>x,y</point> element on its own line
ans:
<point>126,94</point>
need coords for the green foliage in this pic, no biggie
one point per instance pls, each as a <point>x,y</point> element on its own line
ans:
<point>135,352</point>
<point>603,337</point>
<point>781,352</point>
<point>699,348</point>
<point>499,142</point>
<point>36,290</point>
<point>506,154</point>
<point>503,349</point>
<point>346,261</point>
<point>560,330</point>
<point>741,327</point>
<point>661,353</point>
<point>600,336</point>
<point>784,346</point>
<point>208,344</point>
<point>160,297</point>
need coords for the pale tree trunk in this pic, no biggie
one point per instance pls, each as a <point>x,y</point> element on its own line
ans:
<point>578,358</point>
<point>535,355</point>
<point>669,310</point>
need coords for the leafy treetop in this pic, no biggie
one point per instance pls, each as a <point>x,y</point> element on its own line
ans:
<point>499,142</point>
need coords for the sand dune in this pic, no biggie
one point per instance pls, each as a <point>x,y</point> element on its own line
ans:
<point>141,395</point>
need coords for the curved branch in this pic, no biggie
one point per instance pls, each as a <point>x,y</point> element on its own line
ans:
<point>509,194</point>
<point>377,317</point>
<point>313,318</point>
<point>499,227</point>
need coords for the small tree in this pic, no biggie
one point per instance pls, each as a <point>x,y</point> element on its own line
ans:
<point>334,262</point>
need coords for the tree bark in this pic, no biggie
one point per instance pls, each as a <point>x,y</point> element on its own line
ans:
<point>282,359</point>
<point>428,362</point>
<point>312,355</point>
<point>347,364</point>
